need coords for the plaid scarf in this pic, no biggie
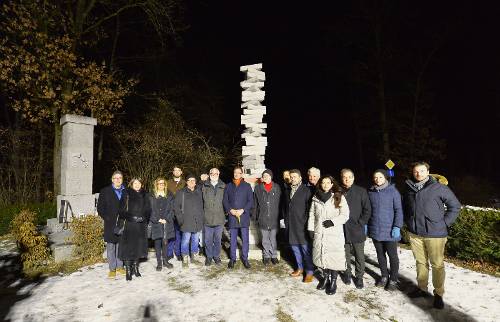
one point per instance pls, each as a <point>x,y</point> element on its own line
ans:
<point>419,185</point>
<point>293,190</point>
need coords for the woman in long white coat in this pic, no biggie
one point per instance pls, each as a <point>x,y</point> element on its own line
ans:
<point>327,216</point>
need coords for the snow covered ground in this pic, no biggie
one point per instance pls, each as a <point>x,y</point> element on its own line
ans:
<point>200,293</point>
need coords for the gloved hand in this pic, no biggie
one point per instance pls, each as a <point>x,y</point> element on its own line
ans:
<point>328,223</point>
<point>311,234</point>
<point>137,218</point>
<point>282,223</point>
<point>396,233</point>
<point>366,230</point>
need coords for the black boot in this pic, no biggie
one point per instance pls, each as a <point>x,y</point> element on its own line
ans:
<point>331,288</point>
<point>346,277</point>
<point>325,281</point>
<point>382,282</point>
<point>128,271</point>
<point>136,269</point>
<point>158,265</point>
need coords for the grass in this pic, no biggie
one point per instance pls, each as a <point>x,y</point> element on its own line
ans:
<point>282,316</point>
<point>176,285</point>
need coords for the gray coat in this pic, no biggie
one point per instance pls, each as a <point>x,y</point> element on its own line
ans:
<point>212,203</point>
<point>188,210</point>
<point>267,206</point>
<point>424,210</point>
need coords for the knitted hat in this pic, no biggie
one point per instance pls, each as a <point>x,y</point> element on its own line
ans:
<point>269,172</point>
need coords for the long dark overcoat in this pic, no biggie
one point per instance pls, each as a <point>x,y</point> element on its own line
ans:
<point>108,206</point>
<point>134,240</point>
<point>296,214</point>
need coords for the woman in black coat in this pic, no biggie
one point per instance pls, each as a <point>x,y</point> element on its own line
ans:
<point>135,210</point>
<point>162,221</point>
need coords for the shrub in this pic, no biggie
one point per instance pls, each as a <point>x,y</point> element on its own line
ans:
<point>475,235</point>
<point>43,211</point>
<point>33,245</point>
<point>87,238</point>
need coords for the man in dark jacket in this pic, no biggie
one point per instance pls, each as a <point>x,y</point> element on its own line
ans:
<point>238,203</point>
<point>173,185</point>
<point>296,212</point>
<point>267,196</point>
<point>430,208</point>
<point>107,207</point>
<point>188,209</point>
<point>215,217</point>
<point>354,229</point>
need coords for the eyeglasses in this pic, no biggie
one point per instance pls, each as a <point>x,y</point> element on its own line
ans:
<point>161,183</point>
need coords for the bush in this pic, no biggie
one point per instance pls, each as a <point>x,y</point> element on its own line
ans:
<point>87,238</point>
<point>475,235</point>
<point>33,245</point>
<point>43,211</point>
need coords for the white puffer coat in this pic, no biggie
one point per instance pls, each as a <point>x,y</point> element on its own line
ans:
<point>328,244</point>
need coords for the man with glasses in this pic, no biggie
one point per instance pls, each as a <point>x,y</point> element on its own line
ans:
<point>107,208</point>
<point>214,217</point>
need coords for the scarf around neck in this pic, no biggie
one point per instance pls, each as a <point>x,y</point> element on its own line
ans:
<point>381,187</point>
<point>420,184</point>
<point>323,196</point>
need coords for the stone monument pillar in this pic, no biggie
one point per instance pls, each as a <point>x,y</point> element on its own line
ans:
<point>77,158</point>
<point>254,150</point>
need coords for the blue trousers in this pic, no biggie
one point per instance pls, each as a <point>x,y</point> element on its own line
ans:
<point>302,253</point>
<point>112,254</point>
<point>174,244</point>
<point>213,237</point>
<point>234,242</point>
<point>189,243</point>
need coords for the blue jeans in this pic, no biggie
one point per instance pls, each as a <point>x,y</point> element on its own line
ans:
<point>213,237</point>
<point>234,243</point>
<point>302,253</point>
<point>189,238</point>
<point>112,254</point>
<point>174,244</point>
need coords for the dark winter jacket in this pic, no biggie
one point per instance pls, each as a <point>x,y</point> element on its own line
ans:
<point>108,206</point>
<point>162,208</point>
<point>424,210</point>
<point>173,186</point>
<point>188,209</point>
<point>267,206</point>
<point>238,197</point>
<point>135,210</point>
<point>212,203</point>
<point>359,214</point>
<point>296,214</point>
<point>387,213</point>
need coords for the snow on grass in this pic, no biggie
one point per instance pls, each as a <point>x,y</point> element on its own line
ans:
<point>214,293</point>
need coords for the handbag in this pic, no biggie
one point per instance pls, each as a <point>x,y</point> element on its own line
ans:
<point>118,229</point>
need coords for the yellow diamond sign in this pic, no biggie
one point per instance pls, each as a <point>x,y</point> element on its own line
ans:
<point>389,164</point>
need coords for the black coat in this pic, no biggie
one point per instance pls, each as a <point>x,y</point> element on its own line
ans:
<point>360,211</point>
<point>267,206</point>
<point>134,240</point>
<point>188,209</point>
<point>424,210</point>
<point>162,208</point>
<point>108,206</point>
<point>296,214</point>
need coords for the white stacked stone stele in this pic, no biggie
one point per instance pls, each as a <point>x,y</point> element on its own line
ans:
<point>254,150</point>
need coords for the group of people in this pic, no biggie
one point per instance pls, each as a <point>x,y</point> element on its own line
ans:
<point>325,223</point>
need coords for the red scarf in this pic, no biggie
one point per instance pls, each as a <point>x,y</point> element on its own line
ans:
<point>237,181</point>
<point>268,186</point>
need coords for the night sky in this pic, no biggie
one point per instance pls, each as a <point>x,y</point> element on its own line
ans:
<point>306,50</point>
